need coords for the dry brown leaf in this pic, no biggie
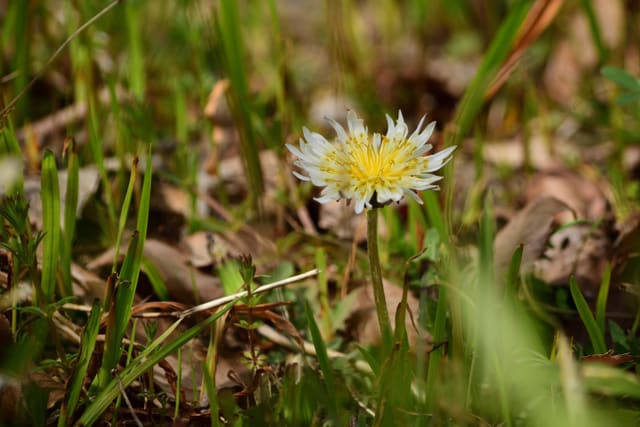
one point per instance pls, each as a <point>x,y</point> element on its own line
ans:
<point>578,250</point>
<point>609,358</point>
<point>512,153</point>
<point>181,279</point>
<point>562,74</point>
<point>583,196</point>
<point>531,228</point>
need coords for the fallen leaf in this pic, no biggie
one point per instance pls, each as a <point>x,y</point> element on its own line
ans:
<point>531,228</point>
<point>580,250</point>
<point>185,283</point>
<point>583,196</point>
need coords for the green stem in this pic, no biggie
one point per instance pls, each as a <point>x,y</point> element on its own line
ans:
<point>376,275</point>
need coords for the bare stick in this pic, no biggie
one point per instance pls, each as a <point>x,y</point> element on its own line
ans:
<point>222,301</point>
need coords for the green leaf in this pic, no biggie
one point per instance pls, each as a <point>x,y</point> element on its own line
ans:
<point>621,77</point>
<point>70,207</point>
<point>618,336</point>
<point>595,334</point>
<point>155,277</point>
<point>50,226</point>
<point>628,98</point>
<point>603,294</point>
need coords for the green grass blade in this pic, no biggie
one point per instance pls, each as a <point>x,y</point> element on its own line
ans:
<point>595,333</point>
<point>434,213</point>
<point>70,207</point>
<point>155,277</point>
<point>50,225</point>
<point>227,27</point>
<point>120,311</point>
<point>603,295</point>
<point>116,323</point>
<point>212,394</point>
<point>439,334</point>
<point>96,148</point>
<point>137,81</point>
<point>132,272</point>
<point>323,360</point>
<point>86,352</point>
<point>485,245</point>
<point>513,274</point>
<point>596,33</point>
<point>473,98</point>
<point>124,211</point>
<point>154,352</point>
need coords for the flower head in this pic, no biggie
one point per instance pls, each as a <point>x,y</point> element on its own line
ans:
<point>373,169</point>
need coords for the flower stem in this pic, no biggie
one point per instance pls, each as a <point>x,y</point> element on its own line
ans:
<point>376,275</point>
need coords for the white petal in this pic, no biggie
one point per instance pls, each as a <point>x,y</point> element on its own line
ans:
<point>376,140</point>
<point>300,177</point>
<point>420,138</point>
<point>390,126</point>
<point>438,160</point>
<point>342,135</point>
<point>356,125</point>
<point>412,195</point>
<point>294,150</point>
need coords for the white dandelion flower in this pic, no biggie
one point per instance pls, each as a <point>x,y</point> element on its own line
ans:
<point>370,170</point>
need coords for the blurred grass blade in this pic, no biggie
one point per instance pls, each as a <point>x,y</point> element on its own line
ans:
<point>87,346</point>
<point>439,335</point>
<point>485,245</point>
<point>70,208</point>
<point>154,353</point>
<point>500,47</point>
<point>595,333</point>
<point>513,274</point>
<point>603,295</point>
<point>96,147</point>
<point>228,34</point>
<point>325,366</point>
<point>136,73</point>
<point>50,226</point>
<point>212,395</point>
<point>610,381</point>
<point>540,15</point>
<point>155,277</point>
<point>596,33</point>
